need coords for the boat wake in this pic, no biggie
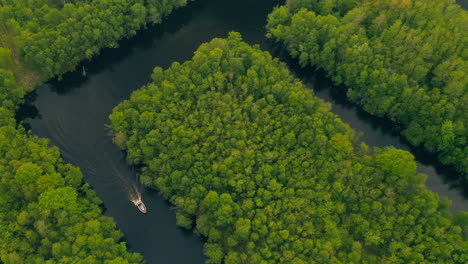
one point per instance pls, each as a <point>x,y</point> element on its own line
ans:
<point>133,194</point>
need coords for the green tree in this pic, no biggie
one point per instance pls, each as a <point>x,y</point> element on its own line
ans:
<point>269,174</point>
<point>28,172</point>
<point>394,59</point>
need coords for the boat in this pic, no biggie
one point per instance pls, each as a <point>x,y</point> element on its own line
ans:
<point>140,205</point>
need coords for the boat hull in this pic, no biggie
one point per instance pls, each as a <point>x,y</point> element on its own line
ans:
<point>141,206</point>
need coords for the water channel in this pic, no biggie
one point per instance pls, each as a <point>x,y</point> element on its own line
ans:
<point>73,112</point>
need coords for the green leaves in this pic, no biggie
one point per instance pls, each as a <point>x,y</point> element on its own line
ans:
<point>57,198</point>
<point>6,60</point>
<point>28,172</point>
<point>10,93</point>
<point>395,59</point>
<point>54,40</point>
<point>47,214</point>
<point>44,204</point>
<point>268,173</point>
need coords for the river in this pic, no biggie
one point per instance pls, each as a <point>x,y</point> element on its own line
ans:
<point>73,112</point>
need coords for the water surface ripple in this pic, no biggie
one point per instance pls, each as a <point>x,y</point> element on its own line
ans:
<point>73,112</point>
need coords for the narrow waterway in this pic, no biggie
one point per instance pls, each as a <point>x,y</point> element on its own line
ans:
<point>73,112</point>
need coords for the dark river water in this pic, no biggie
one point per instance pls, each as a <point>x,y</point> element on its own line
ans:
<point>73,113</point>
<point>463,3</point>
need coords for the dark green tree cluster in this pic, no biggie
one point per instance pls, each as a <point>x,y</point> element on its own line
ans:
<point>11,94</point>
<point>403,59</point>
<point>261,167</point>
<point>47,214</point>
<point>54,36</point>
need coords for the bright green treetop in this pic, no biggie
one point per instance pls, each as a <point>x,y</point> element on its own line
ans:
<point>261,167</point>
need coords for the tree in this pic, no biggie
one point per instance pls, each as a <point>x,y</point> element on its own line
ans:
<point>28,172</point>
<point>269,174</point>
<point>6,60</point>
<point>393,59</point>
<point>57,198</point>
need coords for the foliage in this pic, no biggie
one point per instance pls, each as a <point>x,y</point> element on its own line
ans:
<point>54,36</point>
<point>261,167</point>
<point>11,94</point>
<point>404,59</point>
<point>47,215</point>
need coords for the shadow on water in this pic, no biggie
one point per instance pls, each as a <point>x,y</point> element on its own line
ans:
<point>376,131</point>
<point>72,113</point>
<point>463,3</point>
<point>108,57</point>
<point>386,127</point>
<point>28,109</point>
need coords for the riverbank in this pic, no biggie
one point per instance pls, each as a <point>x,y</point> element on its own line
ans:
<point>72,112</point>
<point>55,216</point>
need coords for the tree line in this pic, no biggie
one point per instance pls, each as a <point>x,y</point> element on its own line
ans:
<point>403,59</point>
<point>47,213</point>
<point>51,37</point>
<point>257,164</point>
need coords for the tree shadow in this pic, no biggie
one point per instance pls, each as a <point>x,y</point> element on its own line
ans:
<point>27,110</point>
<point>323,87</point>
<point>108,58</point>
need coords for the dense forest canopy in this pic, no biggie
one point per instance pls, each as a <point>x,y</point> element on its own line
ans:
<point>261,167</point>
<point>250,158</point>
<point>47,214</point>
<point>51,37</point>
<point>404,59</point>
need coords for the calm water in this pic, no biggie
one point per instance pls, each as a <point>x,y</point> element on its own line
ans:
<point>463,3</point>
<point>73,113</point>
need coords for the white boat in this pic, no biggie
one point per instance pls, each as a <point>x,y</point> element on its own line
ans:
<point>140,205</point>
